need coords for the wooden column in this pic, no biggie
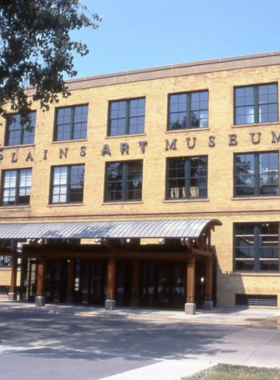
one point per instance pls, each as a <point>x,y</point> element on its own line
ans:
<point>208,303</point>
<point>71,281</point>
<point>135,285</point>
<point>208,279</point>
<point>110,303</point>
<point>190,282</point>
<point>40,299</point>
<point>12,292</point>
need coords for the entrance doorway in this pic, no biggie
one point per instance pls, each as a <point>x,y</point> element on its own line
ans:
<point>124,283</point>
<point>163,284</point>
<point>92,286</point>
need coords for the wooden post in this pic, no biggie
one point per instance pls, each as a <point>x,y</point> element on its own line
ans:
<point>12,295</point>
<point>190,291</point>
<point>208,303</point>
<point>135,285</point>
<point>70,281</point>
<point>40,299</point>
<point>110,303</point>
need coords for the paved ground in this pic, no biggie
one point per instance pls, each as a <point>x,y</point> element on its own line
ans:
<point>66,342</point>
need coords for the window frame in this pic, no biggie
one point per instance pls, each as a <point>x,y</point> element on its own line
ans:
<point>187,178</point>
<point>127,116</point>
<point>256,174</point>
<point>16,188</point>
<point>124,181</point>
<point>257,259</point>
<point>256,104</point>
<point>67,185</point>
<point>72,123</point>
<point>188,110</point>
<point>21,128</point>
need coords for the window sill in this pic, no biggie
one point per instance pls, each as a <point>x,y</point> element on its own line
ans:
<point>15,207</point>
<point>186,130</point>
<point>18,146</point>
<point>277,123</point>
<point>66,205</point>
<point>257,198</point>
<point>186,200</point>
<point>122,203</point>
<point>258,274</point>
<point>125,136</point>
<point>69,141</point>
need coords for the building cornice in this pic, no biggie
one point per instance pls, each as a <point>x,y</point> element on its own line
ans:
<point>183,69</point>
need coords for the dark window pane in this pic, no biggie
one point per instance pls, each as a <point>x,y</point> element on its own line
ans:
<point>189,110</point>
<point>123,181</point>
<point>127,117</point>
<point>71,123</point>
<point>256,247</point>
<point>19,132</point>
<point>256,104</point>
<point>186,177</point>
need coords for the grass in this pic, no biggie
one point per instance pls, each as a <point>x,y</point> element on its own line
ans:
<point>236,372</point>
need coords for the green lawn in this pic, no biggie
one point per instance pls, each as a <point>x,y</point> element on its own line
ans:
<point>236,372</point>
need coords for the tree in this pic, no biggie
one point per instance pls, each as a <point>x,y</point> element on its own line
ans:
<point>36,49</point>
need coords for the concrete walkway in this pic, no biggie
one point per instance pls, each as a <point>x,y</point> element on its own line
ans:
<point>255,342</point>
<point>255,317</point>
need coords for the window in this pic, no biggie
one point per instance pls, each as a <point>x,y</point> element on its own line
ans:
<point>71,123</point>
<point>67,184</point>
<point>256,174</point>
<point>186,177</point>
<point>127,117</point>
<point>256,104</point>
<point>16,187</point>
<point>124,181</point>
<point>256,247</point>
<point>188,110</point>
<point>19,132</point>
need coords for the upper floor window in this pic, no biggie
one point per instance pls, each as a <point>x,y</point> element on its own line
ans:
<point>71,123</point>
<point>256,174</point>
<point>127,117</point>
<point>123,181</point>
<point>16,187</point>
<point>256,247</point>
<point>67,184</point>
<point>186,177</point>
<point>188,110</point>
<point>20,132</point>
<point>256,104</point>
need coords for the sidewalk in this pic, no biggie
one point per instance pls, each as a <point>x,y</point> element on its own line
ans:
<point>252,340</point>
<point>254,317</point>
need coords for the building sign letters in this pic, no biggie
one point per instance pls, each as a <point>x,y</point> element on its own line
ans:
<point>255,138</point>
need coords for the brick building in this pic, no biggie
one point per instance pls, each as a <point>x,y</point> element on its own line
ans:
<point>156,187</point>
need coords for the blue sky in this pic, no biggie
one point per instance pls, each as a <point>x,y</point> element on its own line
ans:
<point>137,34</point>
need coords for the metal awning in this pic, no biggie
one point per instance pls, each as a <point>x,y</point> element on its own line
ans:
<point>114,229</point>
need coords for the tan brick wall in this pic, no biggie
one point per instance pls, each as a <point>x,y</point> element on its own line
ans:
<point>220,203</point>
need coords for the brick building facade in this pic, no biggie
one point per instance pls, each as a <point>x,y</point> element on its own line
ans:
<point>196,143</point>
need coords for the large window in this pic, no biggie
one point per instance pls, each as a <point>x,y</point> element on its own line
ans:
<point>20,132</point>
<point>124,181</point>
<point>257,174</point>
<point>256,247</point>
<point>67,184</point>
<point>16,187</point>
<point>188,110</point>
<point>186,177</point>
<point>256,104</point>
<point>127,117</point>
<point>71,123</point>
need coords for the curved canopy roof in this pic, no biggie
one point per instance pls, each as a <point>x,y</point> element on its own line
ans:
<point>113,229</point>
